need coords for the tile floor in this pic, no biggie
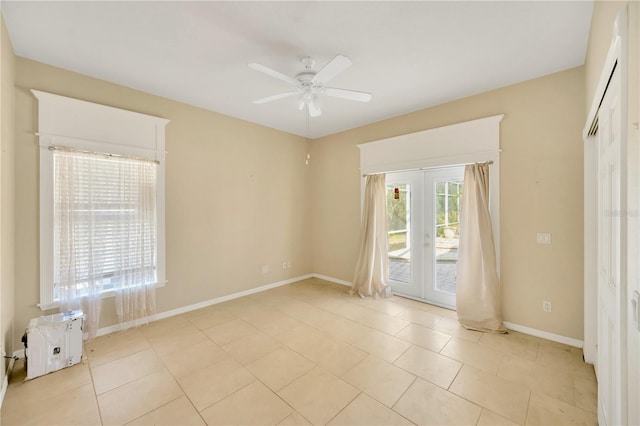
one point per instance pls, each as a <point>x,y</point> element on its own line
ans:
<point>308,353</point>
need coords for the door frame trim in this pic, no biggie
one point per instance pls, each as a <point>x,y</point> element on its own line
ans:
<point>453,145</point>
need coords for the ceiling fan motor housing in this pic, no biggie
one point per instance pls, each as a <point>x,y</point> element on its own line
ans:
<point>308,62</point>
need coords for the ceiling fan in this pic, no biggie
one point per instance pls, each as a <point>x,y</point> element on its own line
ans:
<point>310,85</point>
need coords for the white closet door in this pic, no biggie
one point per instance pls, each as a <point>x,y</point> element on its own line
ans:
<point>610,321</point>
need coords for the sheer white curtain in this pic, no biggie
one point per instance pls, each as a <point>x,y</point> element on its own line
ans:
<point>136,286</point>
<point>478,300</point>
<point>75,285</point>
<point>372,269</point>
<point>105,234</point>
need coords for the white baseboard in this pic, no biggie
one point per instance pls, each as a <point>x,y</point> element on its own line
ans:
<point>5,380</point>
<point>545,335</point>
<point>199,305</point>
<point>333,280</point>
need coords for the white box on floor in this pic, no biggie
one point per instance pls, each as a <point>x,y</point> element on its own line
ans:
<point>53,342</point>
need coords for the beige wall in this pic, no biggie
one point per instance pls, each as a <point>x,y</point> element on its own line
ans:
<point>604,15</point>
<point>239,195</point>
<point>541,190</point>
<point>236,194</point>
<point>7,194</point>
<point>602,22</point>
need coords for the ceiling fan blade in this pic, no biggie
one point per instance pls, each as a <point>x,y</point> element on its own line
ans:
<point>273,73</point>
<point>352,95</point>
<point>333,68</point>
<point>274,97</point>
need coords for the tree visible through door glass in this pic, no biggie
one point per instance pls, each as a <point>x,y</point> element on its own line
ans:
<point>399,235</point>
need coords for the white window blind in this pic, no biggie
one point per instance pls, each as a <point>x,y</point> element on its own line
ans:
<point>105,227</point>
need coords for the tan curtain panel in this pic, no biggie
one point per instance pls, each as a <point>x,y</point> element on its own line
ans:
<point>477,287</point>
<point>372,269</point>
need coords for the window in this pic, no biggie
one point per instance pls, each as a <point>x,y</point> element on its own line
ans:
<point>101,215</point>
<point>448,196</point>
<point>104,221</point>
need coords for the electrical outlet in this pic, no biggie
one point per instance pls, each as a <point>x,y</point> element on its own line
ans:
<point>265,269</point>
<point>284,265</point>
<point>546,306</point>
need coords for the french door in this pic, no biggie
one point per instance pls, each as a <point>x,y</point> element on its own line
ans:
<point>423,210</point>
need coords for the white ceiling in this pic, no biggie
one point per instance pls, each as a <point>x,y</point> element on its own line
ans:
<point>409,55</point>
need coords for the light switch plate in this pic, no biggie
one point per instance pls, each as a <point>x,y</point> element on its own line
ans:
<point>543,238</point>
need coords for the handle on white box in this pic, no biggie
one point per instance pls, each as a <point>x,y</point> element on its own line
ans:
<point>636,309</point>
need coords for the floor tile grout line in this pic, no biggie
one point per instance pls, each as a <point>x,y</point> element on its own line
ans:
<point>230,394</point>
<point>403,329</point>
<point>415,378</point>
<point>184,393</point>
<point>257,379</point>
<point>175,379</point>
<point>332,338</point>
<point>131,381</point>
<point>157,408</point>
<point>345,407</point>
<point>120,357</point>
<point>402,354</point>
<point>462,364</point>
<point>526,416</point>
<point>484,407</point>
<point>376,399</point>
<point>136,379</point>
<point>346,318</point>
<point>95,393</point>
<point>535,388</point>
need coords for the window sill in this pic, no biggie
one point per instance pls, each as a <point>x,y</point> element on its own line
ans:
<point>105,295</point>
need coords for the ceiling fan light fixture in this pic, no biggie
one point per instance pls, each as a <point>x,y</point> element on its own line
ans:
<point>317,101</point>
<point>308,95</point>
<point>314,107</point>
<point>310,85</point>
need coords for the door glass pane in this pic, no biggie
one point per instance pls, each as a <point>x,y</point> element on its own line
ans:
<point>399,226</point>
<point>448,194</point>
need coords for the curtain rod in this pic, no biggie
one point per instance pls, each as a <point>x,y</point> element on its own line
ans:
<point>82,151</point>
<point>427,168</point>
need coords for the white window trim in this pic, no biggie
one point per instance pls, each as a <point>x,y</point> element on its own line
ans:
<point>93,127</point>
<point>473,141</point>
